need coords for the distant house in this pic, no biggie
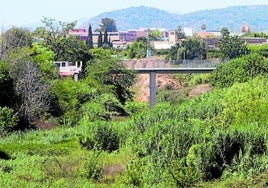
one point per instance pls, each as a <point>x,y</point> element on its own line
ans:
<point>211,42</point>
<point>82,33</point>
<point>205,34</point>
<point>216,33</point>
<point>66,68</point>
<point>173,36</point>
<point>245,28</point>
<point>253,40</point>
<point>131,35</point>
<point>160,45</point>
<point>122,38</point>
<point>188,31</point>
<point>120,44</point>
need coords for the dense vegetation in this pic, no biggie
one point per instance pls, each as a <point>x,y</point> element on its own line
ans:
<point>90,133</point>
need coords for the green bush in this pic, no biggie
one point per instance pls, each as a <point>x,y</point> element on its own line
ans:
<point>246,104</point>
<point>200,79</point>
<point>174,96</point>
<point>239,70</point>
<point>101,136</point>
<point>92,168</point>
<point>202,139</point>
<point>203,107</point>
<point>260,49</point>
<point>133,174</point>
<point>183,79</point>
<point>106,138</point>
<point>8,120</point>
<point>93,111</point>
<point>133,107</point>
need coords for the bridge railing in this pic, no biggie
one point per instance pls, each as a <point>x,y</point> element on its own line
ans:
<point>134,64</point>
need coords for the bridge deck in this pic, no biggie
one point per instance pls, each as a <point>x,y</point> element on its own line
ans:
<point>153,67</point>
<point>173,70</point>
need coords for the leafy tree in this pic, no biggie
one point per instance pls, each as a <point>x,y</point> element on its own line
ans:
<point>89,40</point>
<point>43,56</point>
<point>31,86</point>
<point>6,85</point>
<point>69,97</point>
<point>203,27</point>
<point>107,24</point>
<point>195,48</point>
<point>256,34</point>
<point>110,74</point>
<point>137,49</point>
<point>231,47</point>
<point>155,35</point>
<point>14,38</point>
<point>192,48</point>
<point>54,35</point>
<point>65,48</point>
<point>172,54</point>
<point>181,34</point>
<point>74,49</point>
<point>225,32</point>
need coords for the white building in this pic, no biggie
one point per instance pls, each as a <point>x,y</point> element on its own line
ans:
<point>188,31</point>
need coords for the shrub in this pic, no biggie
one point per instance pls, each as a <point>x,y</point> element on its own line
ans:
<point>239,70</point>
<point>200,79</point>
<point>106,138</point>
<point>133,174</point>
<point>246,104</point>
<point>132,107</point>
<point>93,111</point>
<point>70,96</point>
<point>8,120</point>
<point>260,49</point>
<point>92,167</point>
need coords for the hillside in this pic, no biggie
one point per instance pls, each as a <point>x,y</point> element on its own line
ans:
<point>142,17</point>
<point>135,18</point>
<point>231,17</point>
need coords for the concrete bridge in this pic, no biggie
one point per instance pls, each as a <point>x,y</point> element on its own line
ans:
<point>154,66</point>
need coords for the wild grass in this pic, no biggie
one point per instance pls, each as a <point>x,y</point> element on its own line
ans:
<point>54,158</point>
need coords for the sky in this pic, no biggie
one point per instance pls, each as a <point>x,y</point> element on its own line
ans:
<point>25,12</point>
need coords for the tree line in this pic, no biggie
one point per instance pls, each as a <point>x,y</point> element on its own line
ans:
<point>31,91</point>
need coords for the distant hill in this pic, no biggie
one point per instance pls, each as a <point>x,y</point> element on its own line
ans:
<point>215,19</point>
<point>231,17</point>
<point>135,18</point>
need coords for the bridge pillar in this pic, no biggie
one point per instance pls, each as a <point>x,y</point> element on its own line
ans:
<point>152,89</point>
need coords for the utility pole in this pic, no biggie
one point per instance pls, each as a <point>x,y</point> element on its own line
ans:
<point>147,51</point>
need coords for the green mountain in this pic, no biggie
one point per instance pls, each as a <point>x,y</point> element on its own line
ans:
<point>215,19</point>
<point>231,17</point>
<point>136,17</point>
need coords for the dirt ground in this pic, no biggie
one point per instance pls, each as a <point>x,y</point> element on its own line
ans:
<point>141,87</point>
